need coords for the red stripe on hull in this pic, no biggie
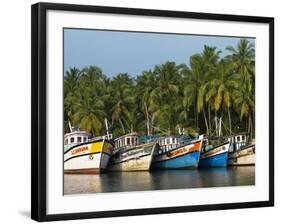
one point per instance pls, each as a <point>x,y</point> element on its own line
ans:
<point>84,171</point>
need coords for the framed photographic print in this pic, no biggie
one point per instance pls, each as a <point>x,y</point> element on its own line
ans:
<point>140,111</point>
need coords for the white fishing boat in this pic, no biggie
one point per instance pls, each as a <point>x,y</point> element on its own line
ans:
<point>84,154</point>
<point>129,155</point>
<point>241,152</point>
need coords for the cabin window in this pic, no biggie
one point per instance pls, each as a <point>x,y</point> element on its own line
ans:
<point>72,140</point>
<point>66,141</point>
<point>79,139</point>
<point>238,139</point>
<point>243,137</point>
<point>128,141</point>
<point>168,141</point>
<point>85,139</point>
<point>133,141</point>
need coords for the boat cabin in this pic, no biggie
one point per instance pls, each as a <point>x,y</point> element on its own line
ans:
<point>131,139</point>
<point>167,143</point>
<point>237,141</point>
<point>76,137</point>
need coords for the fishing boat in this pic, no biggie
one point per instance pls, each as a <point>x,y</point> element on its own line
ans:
<point>84,154</point>
<point>130,155</point>
<point>241,152</point>
<point>177,152</point>
<point>214,156</point>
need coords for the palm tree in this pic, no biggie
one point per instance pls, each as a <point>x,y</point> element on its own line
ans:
<point>85,94</point>
<point>166,91</point>
<point>145,86</point>
<point>192,84</point>
<point>202,69</point>
<point>71,79</point>
<point>168,78</point>
<point>89,111</point>
<point>243,59</point>
<point>220,89</point>
<point>245,103</point>
<point>123,100</point>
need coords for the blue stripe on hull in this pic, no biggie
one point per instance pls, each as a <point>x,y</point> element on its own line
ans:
<point>219,160</point>
<point>189,160</point>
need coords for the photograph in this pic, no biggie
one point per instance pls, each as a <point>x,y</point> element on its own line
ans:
<point>151,111</point>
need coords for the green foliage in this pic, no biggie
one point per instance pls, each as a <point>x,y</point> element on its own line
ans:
<point>167,98</point>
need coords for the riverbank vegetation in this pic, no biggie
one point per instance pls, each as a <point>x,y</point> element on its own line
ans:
<point>193,98</point>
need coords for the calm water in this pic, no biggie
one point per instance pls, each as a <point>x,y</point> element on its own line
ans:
<point>158,180</point>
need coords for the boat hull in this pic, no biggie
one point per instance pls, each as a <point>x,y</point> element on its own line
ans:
<point>136,159</point>
<point>87,158</point>
<point>184,157</point>
<point>215,157</point>
<point>243,157</point>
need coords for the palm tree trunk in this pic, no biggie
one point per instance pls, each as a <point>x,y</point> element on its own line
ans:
<point>196,114</point>
<point>147,120</point>
<point>229,120</point>
<point>121,123</point>
<point>246,121</point>
<point>152,123</point>
<point>209,116</point>
<point>250,127</point>
<point>216,124</point>
<point>253,125</point>
<point>206,122</point>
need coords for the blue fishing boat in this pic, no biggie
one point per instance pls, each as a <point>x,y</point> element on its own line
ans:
<point>175,153</point>
<point>214,156</point>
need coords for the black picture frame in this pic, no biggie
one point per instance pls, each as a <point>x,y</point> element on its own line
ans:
<point>38,110</point>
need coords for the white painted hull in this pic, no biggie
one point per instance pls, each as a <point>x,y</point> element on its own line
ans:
<point>82,164</point>
<point>245,156</point>
<point>87,158</point>
<point>137,162</point>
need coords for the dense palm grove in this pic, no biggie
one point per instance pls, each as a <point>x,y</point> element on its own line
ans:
<point>188,97</point>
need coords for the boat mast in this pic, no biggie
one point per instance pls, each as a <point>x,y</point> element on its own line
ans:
<point>106,126</point>
<point>220,127</point>
<point>69,125</point>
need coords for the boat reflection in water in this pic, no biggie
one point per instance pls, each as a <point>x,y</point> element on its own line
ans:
<point>159,180</point>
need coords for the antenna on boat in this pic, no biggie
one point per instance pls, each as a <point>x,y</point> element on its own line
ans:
<point>69,125</point>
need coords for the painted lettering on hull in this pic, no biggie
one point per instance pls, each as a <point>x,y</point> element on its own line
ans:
<point>79,150</point>
<point>187,149</point>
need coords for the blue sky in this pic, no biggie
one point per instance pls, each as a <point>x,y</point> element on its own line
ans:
<point>133,52</point>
